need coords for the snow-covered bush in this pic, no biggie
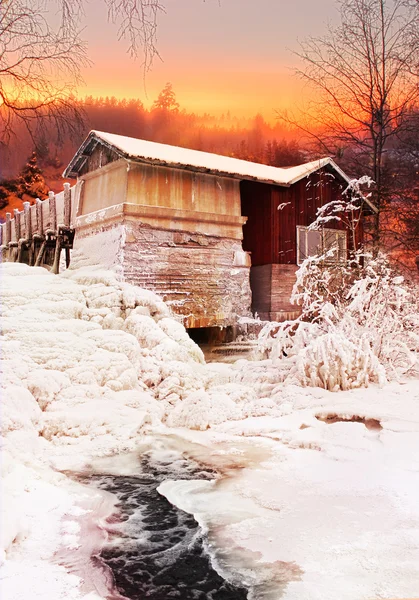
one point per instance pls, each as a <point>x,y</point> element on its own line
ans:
<point>359,324</point>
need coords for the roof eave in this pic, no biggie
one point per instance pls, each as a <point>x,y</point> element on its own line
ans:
<point>71,171</point>
<point>348,181</point>
<point>208,171</point>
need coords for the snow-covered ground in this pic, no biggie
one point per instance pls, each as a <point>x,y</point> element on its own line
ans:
<point>319,498</point>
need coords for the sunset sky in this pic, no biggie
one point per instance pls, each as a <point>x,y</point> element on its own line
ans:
<point>219,55</point>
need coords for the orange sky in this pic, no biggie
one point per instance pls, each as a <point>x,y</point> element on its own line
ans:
<point>244,94</point>
<point>220,55</point>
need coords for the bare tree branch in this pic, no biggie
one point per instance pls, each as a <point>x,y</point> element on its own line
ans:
<point>40,64</point>
<point>363,78</point>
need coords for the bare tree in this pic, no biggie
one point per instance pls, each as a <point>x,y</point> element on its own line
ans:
<point>363,76</point>
<point>136,21</point>
<point>400,223</point>
<point>40,62</point>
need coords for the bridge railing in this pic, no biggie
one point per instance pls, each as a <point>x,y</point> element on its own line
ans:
<point>33,232</point>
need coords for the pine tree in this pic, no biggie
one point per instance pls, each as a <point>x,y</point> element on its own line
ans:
<point>31,181</point>
<point>164,113</point>
<point>166,100</point>
<point>3,197</point>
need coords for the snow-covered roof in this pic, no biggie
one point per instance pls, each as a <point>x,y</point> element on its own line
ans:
<point>195,159</point>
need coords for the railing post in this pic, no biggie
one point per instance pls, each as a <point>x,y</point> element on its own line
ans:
<point>27,220</point>
<point>17,225</point>
<point>39,217</point>
<point>67,205</point>
<point>52,212</point>
<point>8,228</point>
<point>3,245</point>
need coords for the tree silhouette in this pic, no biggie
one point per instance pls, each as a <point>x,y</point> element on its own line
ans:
<point>166,100</point>
<point>41,60</point>
<point>364,77</point>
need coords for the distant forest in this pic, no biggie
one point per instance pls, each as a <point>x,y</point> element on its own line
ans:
<point>250,139</point>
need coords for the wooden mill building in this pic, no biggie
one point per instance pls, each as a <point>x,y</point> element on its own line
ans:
<point>216,237</point>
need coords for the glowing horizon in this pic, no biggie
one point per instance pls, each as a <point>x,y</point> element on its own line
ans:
<point>225,93</point>
<point>219,56</point>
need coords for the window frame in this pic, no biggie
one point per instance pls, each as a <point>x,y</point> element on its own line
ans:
<point>342,234</point>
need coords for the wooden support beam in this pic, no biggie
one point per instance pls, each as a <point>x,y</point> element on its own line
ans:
<point>58,246</point>
<point>41,253</point>
<point>20,247</point>
<point>13,252</point>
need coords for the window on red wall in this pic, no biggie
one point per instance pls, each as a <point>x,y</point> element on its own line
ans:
<point>319,241</point>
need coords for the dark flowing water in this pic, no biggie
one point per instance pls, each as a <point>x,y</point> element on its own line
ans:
<point>155,550</point>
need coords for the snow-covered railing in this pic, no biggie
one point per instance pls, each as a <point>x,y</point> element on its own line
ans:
<point>37,234</point>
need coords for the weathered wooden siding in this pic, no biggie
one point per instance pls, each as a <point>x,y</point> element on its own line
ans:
<point>258,233</point>
<point>271,233</point>
<point>300,203</point>
<point>103,188</point>
<point>152,185</point>
<point>271,292</point>
<point>100,157</point>
<point>109,181</point>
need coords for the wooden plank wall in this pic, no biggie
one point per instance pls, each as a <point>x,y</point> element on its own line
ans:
<point>271,234</point>
<point>258,232</point>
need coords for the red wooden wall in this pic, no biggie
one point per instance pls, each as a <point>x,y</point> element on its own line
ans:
<point>271,234</point>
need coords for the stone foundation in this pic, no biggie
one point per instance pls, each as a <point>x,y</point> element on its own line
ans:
<point>204,278</point>
<point>271,292</point>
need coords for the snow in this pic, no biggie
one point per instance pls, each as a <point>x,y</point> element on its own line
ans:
<point>318,497</point>
<point>332,512</point>
<point>357,326</point>
<point>214,163</point>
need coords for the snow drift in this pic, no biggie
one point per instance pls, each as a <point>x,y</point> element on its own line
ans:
<point>89,364</point>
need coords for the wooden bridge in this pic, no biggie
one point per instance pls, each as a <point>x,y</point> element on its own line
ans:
<point>38,234</point>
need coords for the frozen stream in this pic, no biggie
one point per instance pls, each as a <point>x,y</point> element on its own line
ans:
<point>155,550</point>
